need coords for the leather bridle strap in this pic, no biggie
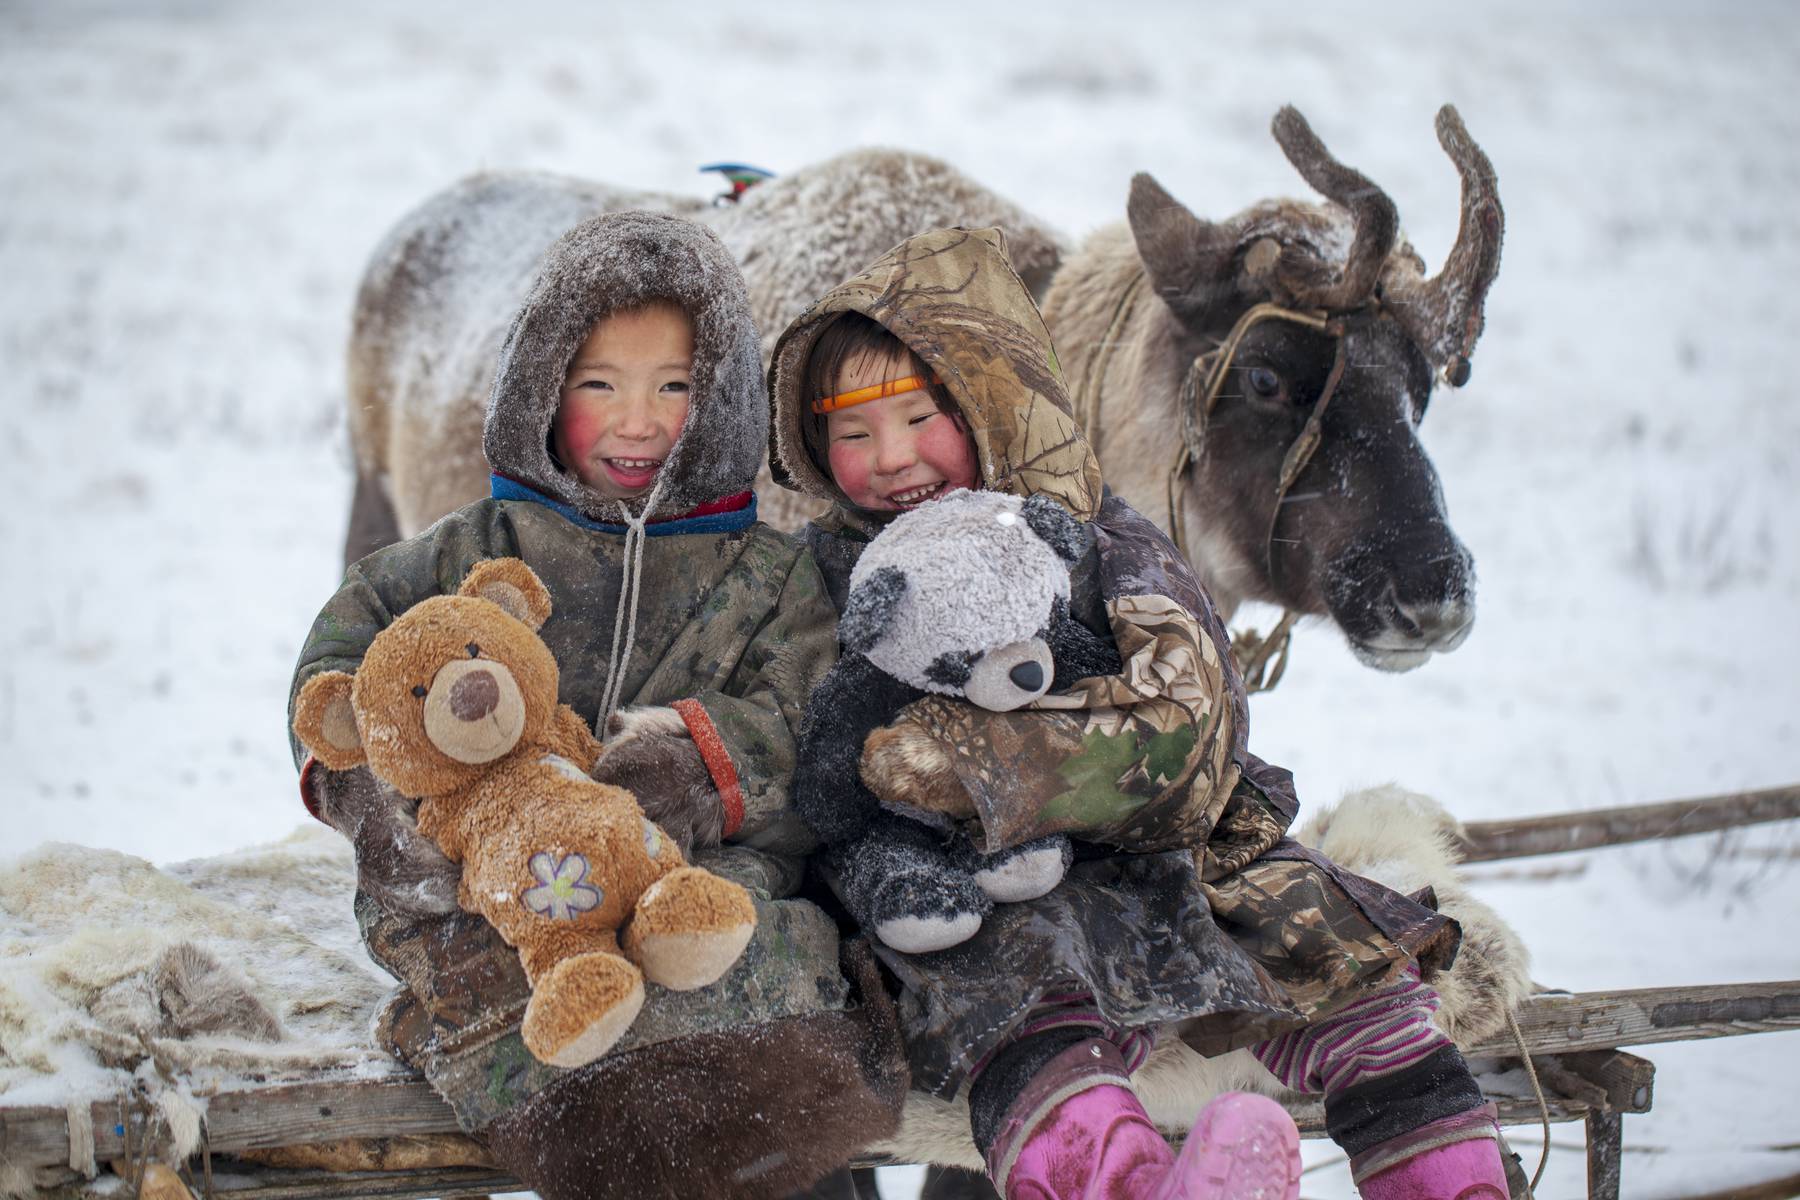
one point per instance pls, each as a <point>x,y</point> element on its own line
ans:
<point>1261,660</point>
<point>1301,452</point>
<point>1198,400</point>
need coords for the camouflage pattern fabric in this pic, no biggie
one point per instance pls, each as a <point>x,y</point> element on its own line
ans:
<point>1321,933</point>
<point>1214,923</point>
<point>1140,760</point>
<point>953,297</point>
<point>1242,938</point>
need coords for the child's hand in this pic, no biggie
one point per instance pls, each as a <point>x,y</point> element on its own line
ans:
<point>649,753</point>
<point>397,866</point>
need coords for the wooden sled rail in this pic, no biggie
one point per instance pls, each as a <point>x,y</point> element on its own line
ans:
<point>279,1115</point>
<point>1555,1023</point>
<point>1591,1086</point>
<point>1590,829</point>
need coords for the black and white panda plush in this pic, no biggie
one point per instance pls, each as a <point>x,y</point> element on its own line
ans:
<point>966,596</point>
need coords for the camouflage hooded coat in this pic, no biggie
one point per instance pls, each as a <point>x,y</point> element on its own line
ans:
<point>732,616</point>
<point>1215,920</point>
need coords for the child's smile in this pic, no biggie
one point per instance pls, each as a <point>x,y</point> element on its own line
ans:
<point>625,398</point>
<point>898,451</point>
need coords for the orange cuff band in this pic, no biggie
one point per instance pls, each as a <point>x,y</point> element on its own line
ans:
<point>875,391</point>
<point>717,760</point>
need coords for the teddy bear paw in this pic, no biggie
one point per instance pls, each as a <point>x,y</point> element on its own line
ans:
<point>917,913</point>
<point>1024,872</point>
<point>580,1007</point>
<point>689,928</point>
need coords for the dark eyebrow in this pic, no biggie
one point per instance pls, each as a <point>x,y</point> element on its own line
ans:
<point>678,365</point>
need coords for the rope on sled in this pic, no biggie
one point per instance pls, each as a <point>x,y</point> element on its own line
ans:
<point>1537,1089</point>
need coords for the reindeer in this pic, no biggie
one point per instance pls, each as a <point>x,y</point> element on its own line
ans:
<point>1285,489</point>
<point>1258,383</point>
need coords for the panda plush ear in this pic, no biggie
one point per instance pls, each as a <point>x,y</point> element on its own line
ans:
<point>1060,530</point>
<point>870,609</point>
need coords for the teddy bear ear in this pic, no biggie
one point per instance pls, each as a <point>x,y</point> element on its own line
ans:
<point>326,724</point>
<point>512,585</point>
<point>1059,529</point>
<point>870,609</point>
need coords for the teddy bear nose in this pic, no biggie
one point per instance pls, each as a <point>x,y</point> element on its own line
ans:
<point>1028,676</point>
<point>475,695</point>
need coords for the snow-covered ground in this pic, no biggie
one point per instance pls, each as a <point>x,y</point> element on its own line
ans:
<point>189,189</point>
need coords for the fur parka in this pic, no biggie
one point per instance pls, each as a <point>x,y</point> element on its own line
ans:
<point>732,628</point>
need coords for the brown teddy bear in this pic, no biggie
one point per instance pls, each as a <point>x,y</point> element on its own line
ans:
<point>455,704</point>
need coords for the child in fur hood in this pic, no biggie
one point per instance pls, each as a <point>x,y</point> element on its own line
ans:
<point>933,370</point>
<point>627,421</point>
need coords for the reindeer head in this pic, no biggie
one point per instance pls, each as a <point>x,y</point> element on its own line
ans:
<point>1301,415</point>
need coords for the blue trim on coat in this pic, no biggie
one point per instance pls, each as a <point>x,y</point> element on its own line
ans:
<point>502,488</point>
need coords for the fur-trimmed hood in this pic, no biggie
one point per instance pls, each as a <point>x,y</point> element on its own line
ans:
<point>609,263</point>
<point>952,296</point>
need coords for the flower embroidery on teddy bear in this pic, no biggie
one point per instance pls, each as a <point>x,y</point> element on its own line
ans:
<point>563,892</point>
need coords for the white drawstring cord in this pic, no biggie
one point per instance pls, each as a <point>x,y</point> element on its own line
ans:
<point>625,616</point>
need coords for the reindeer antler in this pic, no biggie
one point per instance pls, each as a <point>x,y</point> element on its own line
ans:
<point>1444,314</point>
<point>1372,213</point>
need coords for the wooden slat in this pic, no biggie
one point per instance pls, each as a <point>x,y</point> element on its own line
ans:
<point>1555,1023</point>
<point>275,1184</point>
<point>1605,1155</point>
<point>1486,841</point>
<point>278,1115</point>
<point>1627,1083</point>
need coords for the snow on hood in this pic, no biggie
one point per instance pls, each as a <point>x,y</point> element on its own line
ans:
<point>603,265</point>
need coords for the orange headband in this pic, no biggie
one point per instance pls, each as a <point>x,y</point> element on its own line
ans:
<point>875,391</point>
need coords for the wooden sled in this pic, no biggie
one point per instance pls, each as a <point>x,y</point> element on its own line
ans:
<point>395,1138</point>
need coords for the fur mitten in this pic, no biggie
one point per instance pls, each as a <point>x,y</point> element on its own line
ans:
<point>649,752</point>
<point>396,866</point>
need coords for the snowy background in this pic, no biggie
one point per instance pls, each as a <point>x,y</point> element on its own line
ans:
<point>189,190</point>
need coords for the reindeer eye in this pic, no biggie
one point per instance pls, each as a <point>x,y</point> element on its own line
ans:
<point>420,690</point>
<point>1263,381</point>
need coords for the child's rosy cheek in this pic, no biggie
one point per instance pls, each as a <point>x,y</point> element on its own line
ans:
<point>849,468</point>
<point>948,444</point>
<point>580,427</point>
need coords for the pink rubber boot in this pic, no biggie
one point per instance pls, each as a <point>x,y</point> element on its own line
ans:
<point>1457,1158</point>
<point>1077,1132</point>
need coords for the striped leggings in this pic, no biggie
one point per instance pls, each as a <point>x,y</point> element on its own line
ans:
<point>1380,1034</point>
<point>1383,1068</point>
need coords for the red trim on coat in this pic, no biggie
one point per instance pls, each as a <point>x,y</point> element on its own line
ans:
<point>717,760</point>
<point>732,503</point>
<point>306,796</point>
